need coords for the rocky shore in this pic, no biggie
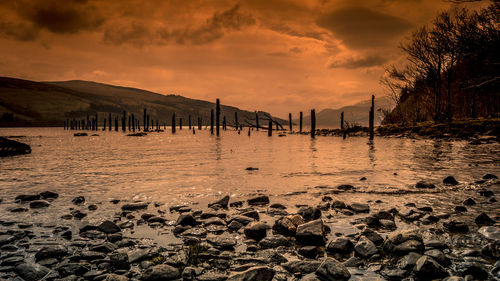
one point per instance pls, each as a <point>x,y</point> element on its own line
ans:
<point>257,238</point>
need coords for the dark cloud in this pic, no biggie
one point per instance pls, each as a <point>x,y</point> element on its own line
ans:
<point>354,63</point>
<point>70,16</point>
<point>18,31</point>
<point>363,28</point>
<point>286,29</point>
<point>214,28</point>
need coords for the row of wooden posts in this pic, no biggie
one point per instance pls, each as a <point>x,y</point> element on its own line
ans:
<point>134,123</point>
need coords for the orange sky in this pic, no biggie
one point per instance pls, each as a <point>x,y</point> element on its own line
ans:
<point>275,55</point>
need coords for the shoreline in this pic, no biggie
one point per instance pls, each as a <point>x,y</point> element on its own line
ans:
<point>257,238</point>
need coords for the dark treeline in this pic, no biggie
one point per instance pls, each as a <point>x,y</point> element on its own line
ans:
<point>452,69</point>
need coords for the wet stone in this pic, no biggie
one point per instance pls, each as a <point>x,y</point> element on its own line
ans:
<point>408,262</point>
<point>302,266</point>
<point>222,241</point>
<point>359,208</point>
<point>256,230</point>
<point>342,246</point>
<point>28,197</point>
<point>365,248</point>
<point>311,233</point>
<point>450,180</point>
<point>331,269</point>
<point>309,213</point>
<point>259,273</point>
<point>456,226</point>
<point>135,206</point>
<point>310,252</point>
<point>37,204</point>
<point>483,219</point>
<point>259,200</point>
<point>186,220</point>
<point>223,202</point>
<point>57,251</point>
<point>31,271</point>
<point>109,227</point>
<point>427,268</point>
<point>469,202</point>
<point>78,200</point>
<point>425,185</point>
<point>274,241</point>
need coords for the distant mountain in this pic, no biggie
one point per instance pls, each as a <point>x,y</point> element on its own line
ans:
<point>29,103</point>
<point>357,113</point>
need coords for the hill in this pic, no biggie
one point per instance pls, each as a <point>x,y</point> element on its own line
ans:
<point>29,103</point>
<point>357,113</point>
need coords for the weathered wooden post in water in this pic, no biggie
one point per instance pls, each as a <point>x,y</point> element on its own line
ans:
<point>116,124</point>
<point>145,120</point>
<point>300,122</point>
<point>133,123</point>
<point>180,123</point>
<point>290,121</point>
<point>224,123</point>
<point>313,123</point>
<point>124,121</point>
<point>104,127</point>
<point>110,123</point>
<point>189,122</point>
<point>211,121</point>
<point>173,123</point>
<point>342,124</point>
<point>217,116</point>
<point>257,121</point>
<point>270,128</point>
<point>372,117</point>
<point>236,120</point>
<point>96,122</point>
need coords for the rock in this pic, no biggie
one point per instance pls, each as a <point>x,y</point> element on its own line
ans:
<point>427,268</point>
<point>31,271</point>
<point>259,200</point>
<point>486,193</point>
<point>223,241</point>
<point>372,236</point>
<point>251,214</point>
<point>403,242</point>
<point>338,205</point>
<point>484,219</point>
<point>477,270</point>
<point>236,204</point>
<point>301,266</point>
<point>311,233</point>
<point>365,248</point>
<point>278,206</point>
<point>186,219</point>
<point>234,225</point>
<point>135,206</point>
<point>456,226</point>
<point>47,252</point>
<point>68,269</point>
<point>258,273</point>
<point>28,197</point>
<point>156,219</point>
<point>77,214</point>
<point>78,200</point>
<point>359,208</point>
<point>489,177</point>
<point>114,277</point>
<point>17,210</point>
<point>274,241</point>
<point>408,262</point>
<point>353,262</point>
<point>223,202</point>
<point>460,209</point>
<point>310,252</point>
<point>256,230</point>
<point>309,213</point>
<point>450,180</point>
<point>161,272</point>
<point>332,270</point>
<point>287,225</point>
<point>119,260</point>
<point>242,219</point>
<point>105,247</point>
<point>49,195</point>
<point>490,232</point>
<point>438,256</point>
<point>469,202</point>
<point>109,227</point>
<point>422,184</point>
<point>92,207</point>
<point>6,239</point>
<point>342,246</point>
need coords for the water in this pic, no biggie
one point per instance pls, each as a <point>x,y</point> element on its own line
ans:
<point>196,169</point>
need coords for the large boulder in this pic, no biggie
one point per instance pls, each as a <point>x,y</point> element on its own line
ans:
<point>31,271</point>
<point>256,230</point>
<point>311,233</point>
<point>332,270</point>
<point>287,225</point>
<point>309,213</point>
<point>365,248</point>
<point>341,246</point>
<point>258,273</point>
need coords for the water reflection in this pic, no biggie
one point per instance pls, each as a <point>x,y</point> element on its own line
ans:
<point>371,152</point>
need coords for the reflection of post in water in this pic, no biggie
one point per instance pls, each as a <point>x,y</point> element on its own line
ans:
<point>218,149</point>
<point>371,151</point>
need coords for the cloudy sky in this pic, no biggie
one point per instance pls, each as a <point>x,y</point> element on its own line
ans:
<point>275,55</point>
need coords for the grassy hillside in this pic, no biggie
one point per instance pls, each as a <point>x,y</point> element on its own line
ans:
<point>29,103</point>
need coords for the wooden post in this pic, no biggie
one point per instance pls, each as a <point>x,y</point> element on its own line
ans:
<point>180,123</point>
<point>64,125</point>
<point>224,122</point>
<point>173,123</point>
<point>257,120</point>
<point>248,131</point>
<point>199,123</point>
<point>189,121</point>
<point>110,123</point>
<point>133,123</point>
<point>290,121</point>
<point>116,124</point>
<point>313,123</point>
<point>124,121</point>
<point>270,128</point>
<point>193,131</point>
<point>211,121</point>
<point>96,122</point>
<point>277,129</point>
<point>342,120</point>
<point>372,117</point>
<point>129,123</point>
<point>236,120</point>
<point>300,122</point>
<point>145,121</point>
<point>217,116</point>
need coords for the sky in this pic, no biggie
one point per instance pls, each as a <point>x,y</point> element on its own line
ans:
<point>278,56</point>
